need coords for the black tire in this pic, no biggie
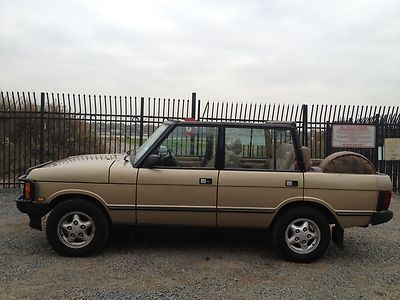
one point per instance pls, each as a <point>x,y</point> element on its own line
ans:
<point>287,240</point>
<point>85,219</point>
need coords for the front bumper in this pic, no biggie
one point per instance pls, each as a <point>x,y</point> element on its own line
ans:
<point>380,217</point>
<point>34,210</point>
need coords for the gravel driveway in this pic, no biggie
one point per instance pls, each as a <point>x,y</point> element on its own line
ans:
<point>195,264</point>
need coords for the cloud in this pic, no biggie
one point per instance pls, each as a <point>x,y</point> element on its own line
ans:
<point>292,51</point>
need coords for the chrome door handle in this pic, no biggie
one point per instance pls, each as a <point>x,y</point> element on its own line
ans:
<point>291,183</point>
<point>205,181</point>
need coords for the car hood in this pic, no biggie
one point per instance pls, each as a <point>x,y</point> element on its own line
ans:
<point>81,168</point>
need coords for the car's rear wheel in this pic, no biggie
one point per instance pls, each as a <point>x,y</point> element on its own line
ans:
<point>77,227</point>
<point>301,234</point>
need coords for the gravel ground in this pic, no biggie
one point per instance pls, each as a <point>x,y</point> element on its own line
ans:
<point>195,264</point>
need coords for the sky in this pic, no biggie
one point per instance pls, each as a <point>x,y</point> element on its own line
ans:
<point>289,51</point>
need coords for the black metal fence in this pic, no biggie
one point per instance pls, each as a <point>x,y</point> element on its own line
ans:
<point>35,128</point>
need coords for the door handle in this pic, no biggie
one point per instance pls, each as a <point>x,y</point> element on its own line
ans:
<point>291,183</point>
<point>205,181</point>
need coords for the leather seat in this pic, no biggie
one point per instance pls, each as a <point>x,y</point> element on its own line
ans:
<point>307,158</point>
<point>232,154</point>
<point>285,157</point>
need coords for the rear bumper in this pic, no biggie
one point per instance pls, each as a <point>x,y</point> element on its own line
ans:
<point>380,217</point>
<point>34,210</point>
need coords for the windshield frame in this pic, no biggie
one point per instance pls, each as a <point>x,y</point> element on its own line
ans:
<point>140,153</point>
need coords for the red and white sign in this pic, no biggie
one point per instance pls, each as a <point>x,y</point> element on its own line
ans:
<point>353,136</point>
<point>189,131</point>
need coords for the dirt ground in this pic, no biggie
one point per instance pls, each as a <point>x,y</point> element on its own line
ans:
<point>195,264</point>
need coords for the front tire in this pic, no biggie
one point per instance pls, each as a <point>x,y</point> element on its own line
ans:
<point>301,234</point>
<point>77,227</point>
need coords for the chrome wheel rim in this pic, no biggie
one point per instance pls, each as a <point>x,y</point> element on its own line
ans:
<point>302,236</point>
<point>76,229</point>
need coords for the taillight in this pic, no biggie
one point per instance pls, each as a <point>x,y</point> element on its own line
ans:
<point>384,200</point>
<point>28,190</point>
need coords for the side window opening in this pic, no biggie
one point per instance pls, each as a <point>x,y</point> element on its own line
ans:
<point>259,148</point>
<point>283,157</point>
<point>188,147</point>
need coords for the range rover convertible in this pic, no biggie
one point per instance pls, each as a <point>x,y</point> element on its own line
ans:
<point>214,175</point>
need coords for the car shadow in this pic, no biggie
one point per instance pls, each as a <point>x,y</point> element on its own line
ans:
<point>188,239</point>
<point>220,242</point>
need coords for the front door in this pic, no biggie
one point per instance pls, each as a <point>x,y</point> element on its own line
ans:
<point>259,174</point>
<point>180,187</point>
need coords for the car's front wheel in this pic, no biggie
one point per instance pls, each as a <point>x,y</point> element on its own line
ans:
<point>301,234</point>
<point>77,227</point>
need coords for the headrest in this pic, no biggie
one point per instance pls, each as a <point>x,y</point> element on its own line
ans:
<point>236,146</point>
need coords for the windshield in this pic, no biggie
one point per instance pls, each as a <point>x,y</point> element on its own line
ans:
<point>149,142</point>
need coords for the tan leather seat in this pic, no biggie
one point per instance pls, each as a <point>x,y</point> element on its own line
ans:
<point>285,157</point>
<point>232,154</point>
<point>307,158</point>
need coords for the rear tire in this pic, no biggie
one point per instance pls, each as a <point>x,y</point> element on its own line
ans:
<point>301,234</point>
<point>77,227</point>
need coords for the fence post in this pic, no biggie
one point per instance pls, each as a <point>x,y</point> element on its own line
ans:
<point>193,116</point>
<point>377,142</point>
<point>198,110</point>
<point>141,121</point>
<point>328,140</point>
<point>305,125</point>
<point>194,105</point>
<point>41,129</point>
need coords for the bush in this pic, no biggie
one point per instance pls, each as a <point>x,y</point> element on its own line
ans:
<point>20,129</point>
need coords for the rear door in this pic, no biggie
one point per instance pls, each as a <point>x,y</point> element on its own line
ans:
<point>260,173</point>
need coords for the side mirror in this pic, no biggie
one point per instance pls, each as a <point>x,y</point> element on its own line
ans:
<point>151,161</point>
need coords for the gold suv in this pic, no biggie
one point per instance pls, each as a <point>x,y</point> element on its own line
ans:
<point>224,175</point>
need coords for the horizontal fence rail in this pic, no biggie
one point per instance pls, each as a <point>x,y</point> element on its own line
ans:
<point>35,128</point>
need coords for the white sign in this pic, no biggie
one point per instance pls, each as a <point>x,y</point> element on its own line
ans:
<point>353,136</point>
<point>392,149</point>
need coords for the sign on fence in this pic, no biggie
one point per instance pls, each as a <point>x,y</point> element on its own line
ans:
<point>353,136</point>
<point>392,149</point>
